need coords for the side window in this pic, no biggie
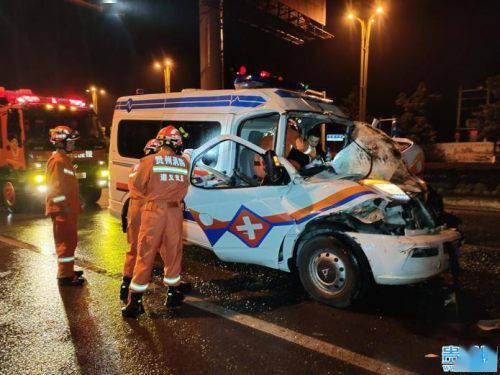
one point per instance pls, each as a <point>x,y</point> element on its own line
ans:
<point>133,134</point>
<point>198,132</point>
<point>13,126</point>
<point>209,172</point>
<point>261,131</point>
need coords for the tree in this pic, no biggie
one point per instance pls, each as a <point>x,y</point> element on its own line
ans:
<point>489,114</point>
<point>413,121</point>
<point>350,104</point>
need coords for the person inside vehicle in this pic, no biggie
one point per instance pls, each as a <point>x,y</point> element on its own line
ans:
<point>305,150</point>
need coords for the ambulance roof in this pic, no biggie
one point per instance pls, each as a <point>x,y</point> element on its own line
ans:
<point>222,101</point>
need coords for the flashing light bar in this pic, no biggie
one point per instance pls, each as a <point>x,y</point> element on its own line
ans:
<point>29,99</point>
<point>26,97</point>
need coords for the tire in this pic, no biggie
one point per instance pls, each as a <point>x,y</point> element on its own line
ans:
<point>91,195</point>
<point>12,197</point>
<point>329,271</point>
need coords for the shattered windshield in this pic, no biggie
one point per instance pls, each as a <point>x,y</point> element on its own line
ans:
<point>38,122</point>
<point>313,140</point>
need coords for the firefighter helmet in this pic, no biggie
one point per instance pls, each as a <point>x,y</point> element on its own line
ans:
<point>63,133</point>
<point>170,136</point>
<point>152,146</point>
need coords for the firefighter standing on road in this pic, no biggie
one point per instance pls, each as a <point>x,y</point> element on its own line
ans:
<point>62,204</point>
<point>163,179</point>
<point>136,203</point>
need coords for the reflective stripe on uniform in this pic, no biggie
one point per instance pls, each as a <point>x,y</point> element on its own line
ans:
<point>138,287</point>
<point>162,168</point>
<point>67,171</point>
<point>171,281</point>
<point>66,259</point>
<point>59,198</point>
<point>132,174</point>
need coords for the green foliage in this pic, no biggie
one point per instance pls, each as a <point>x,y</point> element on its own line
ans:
<point>413,121</point>
<point>489,114</point>
<point>350,104</point>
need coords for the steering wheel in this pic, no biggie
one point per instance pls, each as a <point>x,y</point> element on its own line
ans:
<point>250,181</point>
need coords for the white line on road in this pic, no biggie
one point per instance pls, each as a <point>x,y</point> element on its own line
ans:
<point>17,243</point>
<point>4,274</point>
<point>294,337</point>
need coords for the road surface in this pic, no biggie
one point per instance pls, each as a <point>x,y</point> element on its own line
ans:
<point>240,319</point>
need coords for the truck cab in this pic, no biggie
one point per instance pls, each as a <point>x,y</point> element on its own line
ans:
<point>352,215</point>
<point>25,121</point>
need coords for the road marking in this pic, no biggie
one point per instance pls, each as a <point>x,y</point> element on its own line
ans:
<point>291,336</point>
<point>6,273</point>
<point>294,337</point>
<point>19,244</point>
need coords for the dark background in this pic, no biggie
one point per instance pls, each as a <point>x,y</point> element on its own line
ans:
<point>55,47</point>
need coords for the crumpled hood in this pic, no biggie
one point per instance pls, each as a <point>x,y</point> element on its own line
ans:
<point>372,154</point>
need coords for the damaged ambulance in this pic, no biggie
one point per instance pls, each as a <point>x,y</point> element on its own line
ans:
<point>283,179</point>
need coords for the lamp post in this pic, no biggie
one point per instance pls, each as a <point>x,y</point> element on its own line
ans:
<point>167,70</point>
<point>366,26</point>
<point>94,92</point>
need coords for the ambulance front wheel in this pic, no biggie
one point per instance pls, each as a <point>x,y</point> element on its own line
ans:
<point>329,271</point>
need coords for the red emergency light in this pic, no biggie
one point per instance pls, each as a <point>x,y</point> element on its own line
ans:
<point>26,97</point>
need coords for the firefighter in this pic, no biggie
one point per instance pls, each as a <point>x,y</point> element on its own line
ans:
<point>62,204</point>
<point>134,222</point>
<point>163,180</point>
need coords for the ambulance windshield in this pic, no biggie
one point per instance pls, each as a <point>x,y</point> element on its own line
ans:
<point>313,140</point>
<point>39,121</point>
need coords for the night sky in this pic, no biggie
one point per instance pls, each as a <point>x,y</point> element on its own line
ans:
<point>57,48</point>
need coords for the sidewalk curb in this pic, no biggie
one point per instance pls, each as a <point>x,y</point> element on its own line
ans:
<point>472,203</point>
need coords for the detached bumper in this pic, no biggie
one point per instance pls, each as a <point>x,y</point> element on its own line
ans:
<point>397,260</point>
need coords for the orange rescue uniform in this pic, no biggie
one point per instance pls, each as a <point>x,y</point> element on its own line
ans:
<point>133,223</point>
<point>163,179</point>
<point>63,207</point>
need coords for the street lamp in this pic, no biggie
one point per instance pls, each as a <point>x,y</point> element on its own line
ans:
<point>93,91</point>
<point>366,26</point>
<point>166,65</point>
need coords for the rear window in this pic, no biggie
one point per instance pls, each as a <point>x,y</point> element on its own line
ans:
<point>133,134</point>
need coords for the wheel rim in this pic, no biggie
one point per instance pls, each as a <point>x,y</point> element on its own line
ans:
<point>328,271</point>
<point>9,194</point>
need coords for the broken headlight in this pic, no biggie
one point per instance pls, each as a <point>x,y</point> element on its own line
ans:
<point>386,189</point>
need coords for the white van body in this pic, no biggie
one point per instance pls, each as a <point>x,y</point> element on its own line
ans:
<point>271,225</point>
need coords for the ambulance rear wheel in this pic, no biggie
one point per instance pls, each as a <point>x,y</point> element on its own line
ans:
<point>91,195</point>
<point>12,198</point>
<point>328,271</point>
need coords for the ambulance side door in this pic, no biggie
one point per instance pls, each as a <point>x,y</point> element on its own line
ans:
<point>243,219</point>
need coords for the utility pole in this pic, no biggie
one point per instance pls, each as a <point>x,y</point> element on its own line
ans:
<point>366,27</point>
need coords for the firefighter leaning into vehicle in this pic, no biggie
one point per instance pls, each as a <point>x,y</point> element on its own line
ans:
<point>163,179</point>
<point>137,200</point>
<point>62,204</point>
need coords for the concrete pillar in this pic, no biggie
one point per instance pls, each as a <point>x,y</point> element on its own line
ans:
<point>211,61</point>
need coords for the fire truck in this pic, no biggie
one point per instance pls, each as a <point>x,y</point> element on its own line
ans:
<point>25,121</point>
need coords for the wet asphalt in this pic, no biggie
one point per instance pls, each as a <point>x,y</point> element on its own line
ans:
<point>46,329</point>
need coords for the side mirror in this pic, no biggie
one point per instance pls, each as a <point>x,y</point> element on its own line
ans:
<point>276,174</point>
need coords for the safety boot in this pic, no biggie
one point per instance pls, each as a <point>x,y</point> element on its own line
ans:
<point>124,288</point>
<point>134,306</point>
<point>174,297</point>
<point>71,281</point>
